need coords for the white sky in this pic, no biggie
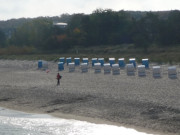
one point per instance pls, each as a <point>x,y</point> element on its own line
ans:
<point>33,8</point>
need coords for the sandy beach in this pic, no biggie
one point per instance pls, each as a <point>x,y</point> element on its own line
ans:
<point>145,103</point>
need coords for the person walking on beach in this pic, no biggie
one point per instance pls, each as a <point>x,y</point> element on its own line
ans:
<point>58,78</point>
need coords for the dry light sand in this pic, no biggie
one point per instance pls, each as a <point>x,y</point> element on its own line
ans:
<point>148,103</point>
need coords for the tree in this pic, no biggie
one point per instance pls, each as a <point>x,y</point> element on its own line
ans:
<point>170,29</point>
<point>2,39</point>
<point>146,31</point>
<point>36,33</point>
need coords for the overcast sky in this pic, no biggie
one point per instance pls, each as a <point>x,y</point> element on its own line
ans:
<point>34,8</point>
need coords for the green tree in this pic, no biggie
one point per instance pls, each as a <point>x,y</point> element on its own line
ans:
<point>146,31</point>
<point>170,29</point>
<point>37,33</point>
<point>2,39</point>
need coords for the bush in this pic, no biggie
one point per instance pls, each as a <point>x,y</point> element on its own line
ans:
<point>14,50</point>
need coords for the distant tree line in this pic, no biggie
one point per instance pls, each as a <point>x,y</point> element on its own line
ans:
<point>102,27</point>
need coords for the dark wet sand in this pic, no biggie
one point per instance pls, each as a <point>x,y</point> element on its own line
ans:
<point>143,103</point>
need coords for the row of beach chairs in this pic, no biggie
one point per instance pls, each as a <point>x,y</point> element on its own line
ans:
<point>98,64</point>
<point>121,61</point>
<point>130,69</point>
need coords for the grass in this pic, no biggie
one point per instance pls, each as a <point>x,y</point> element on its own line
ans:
<point>155,54</point>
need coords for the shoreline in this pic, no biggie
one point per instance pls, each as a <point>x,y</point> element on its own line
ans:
<point>101,121</point>
<point>145,104</point>
<point>83,119</point>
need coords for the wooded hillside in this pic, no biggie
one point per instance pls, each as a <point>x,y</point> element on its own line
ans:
<point>102,27</point>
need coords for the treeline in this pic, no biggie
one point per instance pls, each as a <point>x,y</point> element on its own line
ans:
<point>102,27</point>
